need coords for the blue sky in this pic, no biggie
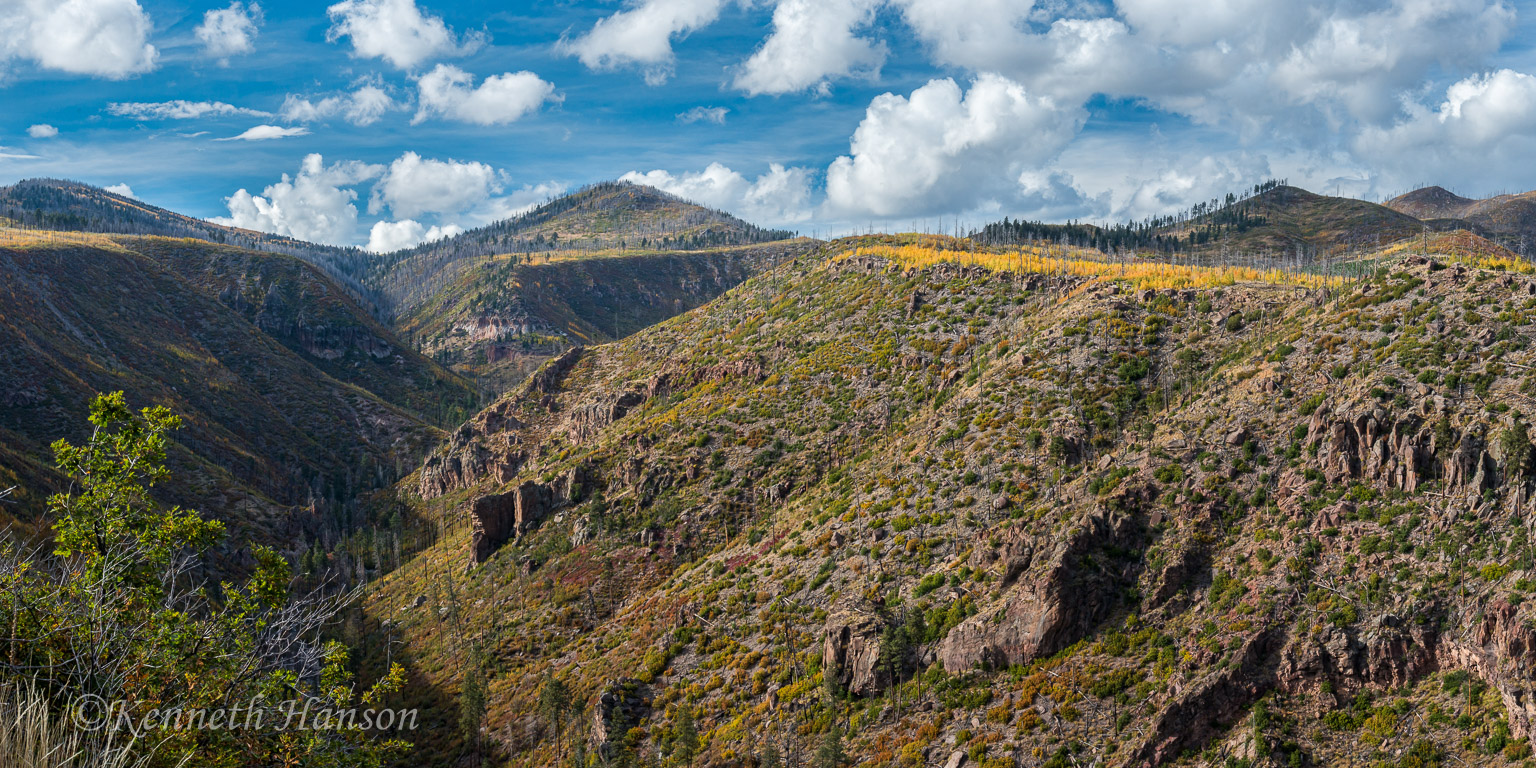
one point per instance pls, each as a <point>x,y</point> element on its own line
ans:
<point>383,122</point>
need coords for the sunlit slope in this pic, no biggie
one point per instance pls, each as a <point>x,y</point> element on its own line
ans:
<point>1011,510</point>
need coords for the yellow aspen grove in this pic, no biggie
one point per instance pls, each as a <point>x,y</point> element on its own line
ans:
<point>1139,273</point>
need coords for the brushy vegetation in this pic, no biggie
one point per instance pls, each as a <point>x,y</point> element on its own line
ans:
<point>118,612</point>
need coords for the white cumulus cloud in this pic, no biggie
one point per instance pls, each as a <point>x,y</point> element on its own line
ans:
<point>397,31</point>
<point>1482,136</point>
<point>414,185</point>
<point>943,149</point>
<point>269,132</point>
<point>642,34</point>
<point>391,236</point>
<point>317,205</point>
<point>813,41</point>
<point>231,31</point>
<point>42,131</point>
<point>1185,23</point>
<point>122,189</point>
<point>104,38</point>
<point>364,106</point>
<point>780,196</point>
<point>179,110</point>
<point>450,92</point>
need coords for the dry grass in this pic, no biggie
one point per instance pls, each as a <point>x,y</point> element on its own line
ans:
<point>11,237</point>
<point>33,736</point>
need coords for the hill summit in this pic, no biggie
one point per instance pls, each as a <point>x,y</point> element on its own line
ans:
<point>1511,218</point>
<point>1432,203</point>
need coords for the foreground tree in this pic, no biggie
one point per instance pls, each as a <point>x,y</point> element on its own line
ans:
<point>116,614</point>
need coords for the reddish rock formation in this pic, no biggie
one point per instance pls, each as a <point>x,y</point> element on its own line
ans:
<point>1395,452</point>
<point>500,517</point>
<point>1500,648</point>
<point>1048,611</point>
<point>851,648</point>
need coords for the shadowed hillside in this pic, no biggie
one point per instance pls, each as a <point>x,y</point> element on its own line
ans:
<point>292,394</point>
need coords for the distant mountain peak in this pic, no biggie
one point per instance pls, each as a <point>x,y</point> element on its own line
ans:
<point>1432,203</point>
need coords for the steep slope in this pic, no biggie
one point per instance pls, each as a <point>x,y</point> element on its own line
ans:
<point>495,302</point>
<point>1510,218</point>
<point>609,218</point>
<point>291,392</point>
<point>999,509</point>
<point>588,267</point>
<point>505,315</point>
<point>69,206</point>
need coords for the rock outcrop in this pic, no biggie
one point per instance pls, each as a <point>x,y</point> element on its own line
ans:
<point>1213,704</point>
<point>588,419</point>
<point>1500,647</point>
<point>850,648</point>
<point>467,459</point>
<point>547,379</point>
<point>622,705</point>
<point>1396,452</point>
<point>502,517</point>
<point>1064,595</point>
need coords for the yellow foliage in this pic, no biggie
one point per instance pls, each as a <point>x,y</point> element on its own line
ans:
<point>1140,273</point>
<point>1466,248</point>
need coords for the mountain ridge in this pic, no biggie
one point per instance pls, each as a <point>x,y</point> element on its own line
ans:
<point>1511,217</point>
<point>293,395</point>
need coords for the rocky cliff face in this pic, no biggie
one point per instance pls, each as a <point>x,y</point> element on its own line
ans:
<point>1052,603</point>
<point>851,648</point>
<point>500,517</point>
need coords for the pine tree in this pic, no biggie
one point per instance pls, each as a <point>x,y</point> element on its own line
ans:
<point>687,737</point>
<point>769,757</point>
<point>554,705</point>
<point>831,754</point>
<point>472,707</point>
